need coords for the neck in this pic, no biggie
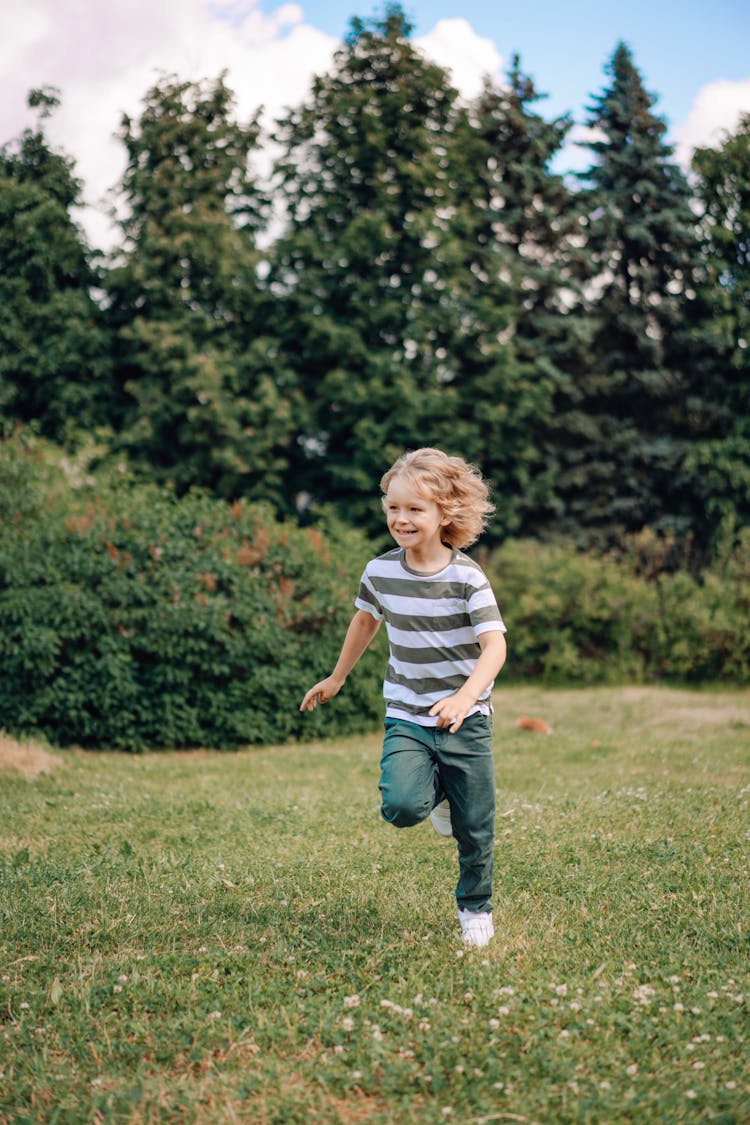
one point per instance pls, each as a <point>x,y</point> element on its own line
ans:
<point>433,558</point>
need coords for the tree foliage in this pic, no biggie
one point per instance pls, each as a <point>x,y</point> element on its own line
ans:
<point>719,457</point>
<point>621,438</point>
<point>54,361</point>
<point>203,400</point>
<point>415,273</point>
<point>530,213</point>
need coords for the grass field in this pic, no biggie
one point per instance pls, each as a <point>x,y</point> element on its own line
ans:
<point>212,937</point>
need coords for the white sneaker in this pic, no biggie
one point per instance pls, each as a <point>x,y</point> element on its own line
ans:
<point>441,819</point>
<point>476,927</point>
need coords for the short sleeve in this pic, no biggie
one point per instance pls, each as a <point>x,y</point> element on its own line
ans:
<point>367,598</point>
<point>483,609</point>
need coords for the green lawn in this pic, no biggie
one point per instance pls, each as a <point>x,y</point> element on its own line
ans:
<point>213,937</point>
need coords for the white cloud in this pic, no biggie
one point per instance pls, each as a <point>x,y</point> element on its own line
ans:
<point>715,111</point>
<point>104,56</point>
<point>456,46</point>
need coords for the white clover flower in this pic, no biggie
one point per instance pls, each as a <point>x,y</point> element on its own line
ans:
<point>351,1001</point>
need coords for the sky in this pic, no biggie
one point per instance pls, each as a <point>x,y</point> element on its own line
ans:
<point>694,56</point>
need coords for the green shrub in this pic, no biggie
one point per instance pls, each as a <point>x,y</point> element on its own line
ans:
<point>704,622</point>
<point>576,618</point>
<point>572,617</point>
<point>139,620</point>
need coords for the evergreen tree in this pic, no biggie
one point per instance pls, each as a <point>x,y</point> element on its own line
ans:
<point>720,399</point>
<point>203,399</point>
<point>53,348</point>
<point>527,214</point>
<point>622,457</point>
<point>396,341</point>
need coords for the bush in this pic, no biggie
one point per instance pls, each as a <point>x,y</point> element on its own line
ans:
<point>571,617</point>
<point>576,618</point>
<point>703,630</point>
<point>134,619</point>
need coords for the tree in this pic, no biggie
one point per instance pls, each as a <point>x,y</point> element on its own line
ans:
<point>54,366</point>
<point>531,223</point>
<point>720,456</point>
<point>385,310</point>
<point>203,401</point>
<point>622,457</point>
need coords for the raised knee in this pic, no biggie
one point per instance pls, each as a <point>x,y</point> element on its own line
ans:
<point>404,815</point>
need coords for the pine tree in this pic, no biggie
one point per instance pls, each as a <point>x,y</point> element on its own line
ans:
<point>529,216</point>
<point>396,342</point>
<point>622,462</point>
<point>203,399</point>
<point>720,395</point>
<point>54,368</point>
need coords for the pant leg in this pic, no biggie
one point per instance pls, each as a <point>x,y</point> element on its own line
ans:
<point>467,777</point>
<point>409,782</point>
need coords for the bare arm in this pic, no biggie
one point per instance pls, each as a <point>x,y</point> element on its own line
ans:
<point>362,629</point>
<point>452,710</point>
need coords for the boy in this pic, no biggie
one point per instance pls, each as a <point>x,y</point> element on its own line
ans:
<point>447,645</point>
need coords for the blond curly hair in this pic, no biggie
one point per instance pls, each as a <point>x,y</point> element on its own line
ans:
<point>458,489</point>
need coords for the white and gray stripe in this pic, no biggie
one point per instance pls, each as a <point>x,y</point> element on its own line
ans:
<point>434,622</point>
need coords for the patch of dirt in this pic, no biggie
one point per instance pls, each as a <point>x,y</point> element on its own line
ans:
<point>29,758</point>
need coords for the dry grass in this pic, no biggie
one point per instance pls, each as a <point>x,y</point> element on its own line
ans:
<point>29,758</point>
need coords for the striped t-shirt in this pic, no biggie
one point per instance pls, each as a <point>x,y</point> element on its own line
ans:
<point>434,622</point>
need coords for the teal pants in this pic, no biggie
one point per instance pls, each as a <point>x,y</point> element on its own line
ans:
<point>423,765</point>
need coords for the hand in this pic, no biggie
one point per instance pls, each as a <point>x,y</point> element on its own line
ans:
<point>452,710</point>
<point>320,693</point>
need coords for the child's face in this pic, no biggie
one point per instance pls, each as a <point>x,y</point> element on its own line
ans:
<point>414,520</point>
